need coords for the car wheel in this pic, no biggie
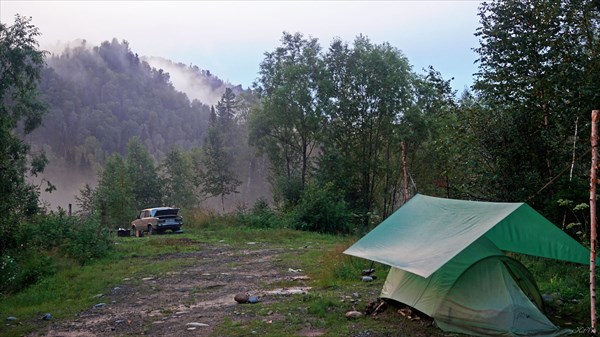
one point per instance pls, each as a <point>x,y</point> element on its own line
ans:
<point>150,230</point>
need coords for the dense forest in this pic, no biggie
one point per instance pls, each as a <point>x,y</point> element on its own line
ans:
<point>343,133</point>
<point>100,97</point>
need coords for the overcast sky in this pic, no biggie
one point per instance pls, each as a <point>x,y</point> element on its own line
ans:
<point>229,38</point>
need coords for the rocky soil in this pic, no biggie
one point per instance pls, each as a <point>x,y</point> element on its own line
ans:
<point>189,302</point>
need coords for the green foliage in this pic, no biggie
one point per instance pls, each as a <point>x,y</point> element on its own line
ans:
<point>45,239</point>
<point>20,112</point>
<point>437,138</point>
<point>23,268</point>
<point>142,176</point>
<point>259,216</point>
<point>81,239</point>
<point>115,200</point>
<point>86,201</point>
<point>217,177</point>
<point>177,177</point>
<point>538,61</point>
<point>88,241</point>
<point>579,228</point>
<point>8,270</point>
<point>372,86</point>
<point>351,104</point>
<point>287,125</point>
<point>287,191</point>
<point>322,209</point>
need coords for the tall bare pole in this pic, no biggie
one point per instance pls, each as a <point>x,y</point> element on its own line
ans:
<point>405,175</point>
<point>593,240</point>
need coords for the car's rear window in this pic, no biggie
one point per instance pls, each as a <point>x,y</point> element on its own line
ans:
<point>165,212</point>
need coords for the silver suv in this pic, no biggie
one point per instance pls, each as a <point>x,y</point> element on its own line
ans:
<point>157,220</point>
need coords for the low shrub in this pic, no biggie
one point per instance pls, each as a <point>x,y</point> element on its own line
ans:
<point>45,239</point>
<point>322,209</point>
<point>259,216</point>
<point>82,239</point>
<point>9,270</point>
<point>45,232</point>
<point>88,240</point>
<point>20,269</point>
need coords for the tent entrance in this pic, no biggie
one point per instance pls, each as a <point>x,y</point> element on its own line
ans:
<point>525,281</point>
<point>492,298</point>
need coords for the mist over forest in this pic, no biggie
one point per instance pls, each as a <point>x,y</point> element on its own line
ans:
<point>100,97</point>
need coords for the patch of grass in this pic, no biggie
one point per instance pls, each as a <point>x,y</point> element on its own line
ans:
<point>335,268</point>
<point>202,220</point>
<point>73,287</point>
<point>154,245</point>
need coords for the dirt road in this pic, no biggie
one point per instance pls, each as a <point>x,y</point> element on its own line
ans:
<point>188,302</point>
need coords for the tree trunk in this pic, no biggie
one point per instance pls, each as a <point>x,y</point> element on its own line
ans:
<point>593,181</point>
<point>405,174</point>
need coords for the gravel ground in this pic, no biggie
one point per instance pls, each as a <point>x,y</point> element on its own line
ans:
<point>189,302</point>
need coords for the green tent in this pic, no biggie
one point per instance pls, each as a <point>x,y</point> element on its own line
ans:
<point>447,261</point>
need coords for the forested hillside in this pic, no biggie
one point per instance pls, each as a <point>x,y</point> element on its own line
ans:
<point>99,97</point>
<point>102,96</point>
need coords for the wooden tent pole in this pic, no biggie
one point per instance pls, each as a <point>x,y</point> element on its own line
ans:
<point>593,224</point>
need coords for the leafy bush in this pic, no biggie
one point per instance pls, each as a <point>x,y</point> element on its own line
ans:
<point>260,216</point>
<point>287,192</point>
<point>44,240</point>
<point>81,239</point>
<point>20,269</point>
<point>46,231</point>
<point>322,209</point>
<point>88,240</point>
<point>9,269</point>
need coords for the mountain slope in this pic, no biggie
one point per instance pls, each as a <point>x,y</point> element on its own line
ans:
<point>196,83</point>
<point>102,96</point>
<point>99,97</point>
